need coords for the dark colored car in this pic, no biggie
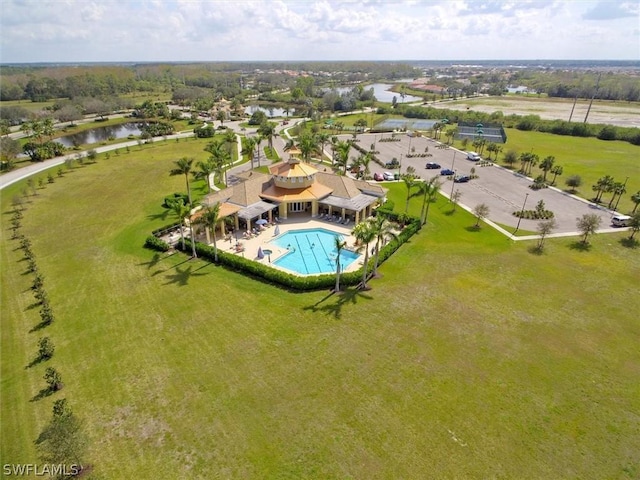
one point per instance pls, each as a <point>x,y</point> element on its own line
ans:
<point>461,178</point>
<point>447,171</point>
<point>432,165</point>
<point>392,164</point>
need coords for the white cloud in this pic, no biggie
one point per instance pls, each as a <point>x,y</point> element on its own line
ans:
<point>138,30</point>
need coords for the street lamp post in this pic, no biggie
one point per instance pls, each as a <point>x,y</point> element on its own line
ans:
<point>453,182</point>
<point>521,213</point>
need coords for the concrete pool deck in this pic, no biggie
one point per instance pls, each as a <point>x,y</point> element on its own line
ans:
<point>265,241</point>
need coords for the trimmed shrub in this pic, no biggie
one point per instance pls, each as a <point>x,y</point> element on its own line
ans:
<point>154,243</point>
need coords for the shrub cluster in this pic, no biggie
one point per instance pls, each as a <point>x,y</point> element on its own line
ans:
<point>154,243</point>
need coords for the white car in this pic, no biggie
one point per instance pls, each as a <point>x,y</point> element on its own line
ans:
<point>388,176</point>
<point>473,156</point>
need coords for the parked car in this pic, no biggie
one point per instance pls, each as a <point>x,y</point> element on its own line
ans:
<point>432,165</point>
<point>388,176</point>
<point>447,171</point>
<point>473,156</point>
<point>621,220</point>
<point>392,164</point>
<point>378,176</point>
<point>461,178</point>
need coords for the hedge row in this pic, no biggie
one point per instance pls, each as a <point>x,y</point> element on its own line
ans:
<point>299,283</point>
<point>154,243</point>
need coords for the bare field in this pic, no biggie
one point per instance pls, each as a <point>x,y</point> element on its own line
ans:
<point>624,114</point>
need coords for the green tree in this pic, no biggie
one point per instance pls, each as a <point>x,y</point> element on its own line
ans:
<point>342,155</point>
<point>573,182</point>
<point>546,165</point>
<point>308,145</point>
<point>249,148</point>
<point>635,198</point>
<point>634,223</point>
<point>587,225</point>
<point>545,227</point>
<point>183,167</point>
<point>510,157</point>
<point>220,157</point>
<point>53,379</point>
<point>364,234</point>
<point>180,211</point>
<point>205,170</point>
<point>481,211</point>
<point>268,130</point>
<point>556,170</point>
<point>45,348</point>
<point>62,441</point>
<point>338,245</point>
<point>429,191</point>
<point>383,230</point>
<point>209,218</point>
<point>221,116</point>
<point>603,185</point>
<point>618,189</point>
<point>410,182</point>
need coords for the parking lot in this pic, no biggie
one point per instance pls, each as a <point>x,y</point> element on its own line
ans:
<point>504,191</point>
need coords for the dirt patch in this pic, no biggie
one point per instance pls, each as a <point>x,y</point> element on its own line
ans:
<point>621,114</point>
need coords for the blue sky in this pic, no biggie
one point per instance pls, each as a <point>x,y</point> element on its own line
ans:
<point>222,30</point>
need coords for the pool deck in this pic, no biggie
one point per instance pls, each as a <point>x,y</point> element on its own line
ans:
<point>265,239</point>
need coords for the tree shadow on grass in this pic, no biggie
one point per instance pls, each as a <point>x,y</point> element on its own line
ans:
<point>448,213</point>
<point>580,246</point>
<point>182,275</point>
<point>339,300</point>
<point>473,228</point>
<point>36,361</point>
<point>536,250</point>
<point>629,242</point>
<point>159,216</point>
<point>155,260</point>
<point>40,326</point>
<point>44,393</point>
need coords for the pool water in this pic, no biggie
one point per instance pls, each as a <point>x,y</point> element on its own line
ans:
<point>312,251</point>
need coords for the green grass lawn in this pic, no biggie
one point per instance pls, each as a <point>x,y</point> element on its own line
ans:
<point>470,358</point>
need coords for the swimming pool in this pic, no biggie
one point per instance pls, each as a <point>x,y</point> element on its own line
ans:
<point>312,251</point>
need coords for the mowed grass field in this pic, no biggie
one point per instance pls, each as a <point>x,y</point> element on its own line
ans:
<point>470,358</point>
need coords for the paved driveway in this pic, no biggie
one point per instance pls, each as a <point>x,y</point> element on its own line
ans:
<point>502,190</point>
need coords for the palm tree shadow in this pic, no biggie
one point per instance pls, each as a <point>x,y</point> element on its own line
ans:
<point>473,228</point>
<point>159,216</point>
<point>45,392</point>
<point>182,275</point>
<point>157,258</point>
<point>350,295</point>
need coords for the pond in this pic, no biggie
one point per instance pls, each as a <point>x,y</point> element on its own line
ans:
<point>383,94</point>
<point>269,111</point>
<point>100,134</point>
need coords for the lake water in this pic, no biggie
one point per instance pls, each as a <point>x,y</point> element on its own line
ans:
<point>269,111</point>
<point>383,94</point>
<point>100,134</point>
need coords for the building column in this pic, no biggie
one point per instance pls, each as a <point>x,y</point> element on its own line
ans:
<point>314,208</point>
<point>282,210</point>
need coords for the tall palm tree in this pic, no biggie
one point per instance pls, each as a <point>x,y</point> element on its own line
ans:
<point>409,182</point>
<point>231,141</point>
<point>383,230</point>
<point>364,160</point>
<point>209,218</point>
<point>308,145</point>
<point>183,167</point>
<point>323,138</point>
<point>556,170</point>
<point>339,244</point>
<point>342,149</point>
<point>268,131</point>
<point>220,156</point>
<point>428,190</point>
<point>180,211</point>
<point>205,169</point>
<point>364,234</point>
<point>546,165</point>
<point>249,148</point>
<point>618,190</point>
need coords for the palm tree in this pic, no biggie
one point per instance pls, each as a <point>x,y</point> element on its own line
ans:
<point>183,167</point>
<point>635,198</point>
<point>364,234</point>
<point>268,131</point>
<point>604,184</point>
<point>556,170</point>
<point>323,138</point>
<point>180,210</point>
<point>342,149</point>
<point>409,182</point>
<point>205,169</point>
<point>249,148</point>
<point>428,190</point>
<point>383,230</point>
<point>308,145</point>
<point>364,160</point>
<point>618,189</point>
<point>533,161</point>
<point>634,224</point>
<point>220,157</point>
<point>338,245</point>
<point>546,165</point>
<point>209,218</point>
<point>231,140</point>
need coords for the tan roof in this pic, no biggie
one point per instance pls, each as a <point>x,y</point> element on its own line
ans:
<point>286,169</point>
<point>314,192</point>
<point>342,186</point>
<point>226,209</point>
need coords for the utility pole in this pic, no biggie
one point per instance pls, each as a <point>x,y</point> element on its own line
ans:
<point>592,97</point>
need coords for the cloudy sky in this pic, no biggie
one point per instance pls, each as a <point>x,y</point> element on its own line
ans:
<point>218,30</point>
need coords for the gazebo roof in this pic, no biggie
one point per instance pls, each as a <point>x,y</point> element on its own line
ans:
<point>292,169</point>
